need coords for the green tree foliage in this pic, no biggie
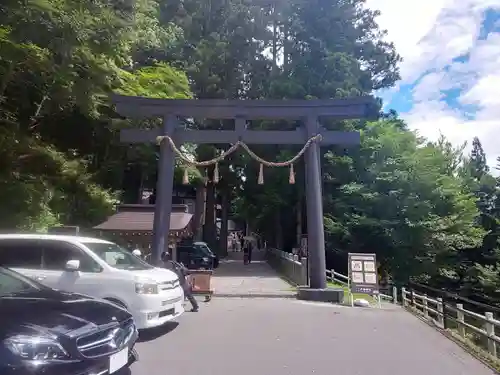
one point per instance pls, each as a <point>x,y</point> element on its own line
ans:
<point>480,265</point>
<point>59,61</point>
<point>429,212</point>
<point>399,197</point>
<point>322,50</point>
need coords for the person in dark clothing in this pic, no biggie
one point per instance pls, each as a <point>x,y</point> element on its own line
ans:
<point>242,242</point>
<point>181,272</point>
<point>245,253</point>
<point>250,249</point>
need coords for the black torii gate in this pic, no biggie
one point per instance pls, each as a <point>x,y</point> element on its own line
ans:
<point>241,111</point>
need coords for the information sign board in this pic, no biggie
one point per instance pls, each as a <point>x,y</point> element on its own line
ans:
<point>363,273</point>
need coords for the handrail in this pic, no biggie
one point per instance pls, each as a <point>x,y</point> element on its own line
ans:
<point>441,313</point>
<point>455,296</point>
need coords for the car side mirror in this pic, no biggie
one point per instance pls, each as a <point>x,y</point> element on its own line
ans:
<point>72,265</point>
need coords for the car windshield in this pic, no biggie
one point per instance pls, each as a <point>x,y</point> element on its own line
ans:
<point>117,256</point>
<point>13,283</point>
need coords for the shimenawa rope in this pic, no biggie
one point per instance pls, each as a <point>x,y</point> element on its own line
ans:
<point>232,149</point>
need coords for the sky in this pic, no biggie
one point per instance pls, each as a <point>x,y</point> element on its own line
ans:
<point>450,75</point>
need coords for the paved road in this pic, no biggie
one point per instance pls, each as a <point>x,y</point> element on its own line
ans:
<point>286,337</point>
<point>233,278</point>
<point>280,336</point>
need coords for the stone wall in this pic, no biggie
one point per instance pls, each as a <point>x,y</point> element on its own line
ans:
<point>290,266</point>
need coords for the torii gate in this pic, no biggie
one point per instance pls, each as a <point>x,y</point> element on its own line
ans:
<point>242,110</point>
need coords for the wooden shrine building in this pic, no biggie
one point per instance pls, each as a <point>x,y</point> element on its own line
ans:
<point>133,224</point>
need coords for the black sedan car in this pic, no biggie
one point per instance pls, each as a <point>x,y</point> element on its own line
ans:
<point>45,331</point>
<point>197,255</point>
<point>204,247</point>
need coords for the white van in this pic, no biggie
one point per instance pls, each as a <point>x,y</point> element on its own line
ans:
<point>99,269</point>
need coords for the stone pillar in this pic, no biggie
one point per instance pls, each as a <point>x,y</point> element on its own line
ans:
<point>315,230</point>
<point>164,186</point>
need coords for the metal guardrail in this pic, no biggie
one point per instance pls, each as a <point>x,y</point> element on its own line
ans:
<point>434,309</point>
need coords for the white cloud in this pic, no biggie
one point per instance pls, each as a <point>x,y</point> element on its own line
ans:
<point>429,34</point>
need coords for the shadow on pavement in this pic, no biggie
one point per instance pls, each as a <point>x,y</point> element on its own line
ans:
<point>233,266</point>
<point>154,333</point>
<point>238,269</point>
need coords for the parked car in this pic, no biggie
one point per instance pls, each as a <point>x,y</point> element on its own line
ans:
<point>204,247</point>
<point>44,331</point>
<point>97,268</point>
<point>196,255</point>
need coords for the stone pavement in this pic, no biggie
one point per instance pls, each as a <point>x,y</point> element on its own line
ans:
<point>234,279</point>
<point>288,337</point>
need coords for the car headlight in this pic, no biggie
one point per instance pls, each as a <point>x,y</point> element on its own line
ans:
<point>146,288</point>
<point>36,348</point>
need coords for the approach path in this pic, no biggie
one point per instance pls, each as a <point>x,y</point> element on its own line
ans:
<point>283,336</point>
<point>233,278</point>
<point>286,337</point>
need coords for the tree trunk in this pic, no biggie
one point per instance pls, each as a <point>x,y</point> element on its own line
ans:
<point>224,222</point>
<point>299,221</point>
<point>275,41</point>
<point>286,46</point>
<point>141,186</point>
<point>4,82</point>
<point>279,230</point>
<point>199,212</point>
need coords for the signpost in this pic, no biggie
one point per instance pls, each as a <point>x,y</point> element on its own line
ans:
<point>241,111</point>
<point>363,275</point>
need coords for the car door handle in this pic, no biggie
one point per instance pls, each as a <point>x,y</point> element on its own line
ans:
<point>40,278</point>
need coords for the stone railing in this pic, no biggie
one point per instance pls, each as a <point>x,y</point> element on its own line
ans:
<point>288,265</point>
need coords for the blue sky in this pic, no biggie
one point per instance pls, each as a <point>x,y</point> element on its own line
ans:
<point>451,70</point>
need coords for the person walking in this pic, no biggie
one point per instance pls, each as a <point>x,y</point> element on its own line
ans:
<point>250,249</point>
<point>181,272</point>
<point>242,242</point>
<point>245,252</point>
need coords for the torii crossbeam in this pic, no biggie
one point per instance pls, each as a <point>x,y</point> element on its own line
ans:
<point>242,110</point>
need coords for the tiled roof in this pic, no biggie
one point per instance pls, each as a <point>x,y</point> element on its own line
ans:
<point>140,218</point>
